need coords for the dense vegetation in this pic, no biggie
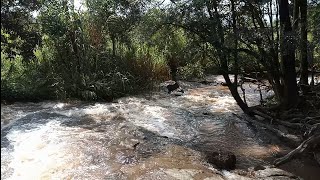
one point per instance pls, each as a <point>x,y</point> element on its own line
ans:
<point>112,48</point>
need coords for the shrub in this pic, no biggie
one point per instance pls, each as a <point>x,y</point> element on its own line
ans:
<point>191,70</point>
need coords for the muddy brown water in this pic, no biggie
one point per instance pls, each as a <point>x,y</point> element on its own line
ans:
<point>151,136</point>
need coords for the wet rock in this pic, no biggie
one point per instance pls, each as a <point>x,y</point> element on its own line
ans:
<point>193,174</point>
<point>223,84</point>
<point>128,160</point>
<point>259,173</point>
<point>172,87</point>
<point>135,145</point>
<point>208,82</point>
<point>177,93</point>
<point>182,173</point>
<point>222,160</point>
<point>234,176</point>
<point>206,113</point>
<point>271,173</point>
<point>259,167</point>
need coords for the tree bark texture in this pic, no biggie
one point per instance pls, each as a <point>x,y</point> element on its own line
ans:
<point>290,98</point>
<point>303,43</point>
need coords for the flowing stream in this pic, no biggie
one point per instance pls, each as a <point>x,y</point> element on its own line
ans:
<point>151,136</point>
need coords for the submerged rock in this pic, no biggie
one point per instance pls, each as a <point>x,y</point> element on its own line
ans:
<point>259,167</point>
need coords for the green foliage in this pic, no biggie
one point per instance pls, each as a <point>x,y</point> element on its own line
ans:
<point>11,64</point>
<point>77,59</point>
<point>176,44</point>
<point>19,80</point>
<point>113,49</point>
<point>17,19</point>
<point>192,70</point>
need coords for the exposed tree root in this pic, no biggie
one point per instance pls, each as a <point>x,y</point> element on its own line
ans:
<point>309,120</point>
<point>314,139</point>
<point>308,124</point>
<point>317,157</point>
<point>298,127</point>
<point>290,139</point>
<point>284,123</point>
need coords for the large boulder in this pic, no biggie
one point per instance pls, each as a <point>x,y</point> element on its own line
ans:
<point>172,87</point>
<point>222,160</point>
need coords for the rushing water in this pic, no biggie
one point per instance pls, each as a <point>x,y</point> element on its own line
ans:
<point>152,136</point>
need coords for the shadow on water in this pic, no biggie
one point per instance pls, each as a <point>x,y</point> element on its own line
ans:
<point>149,142</point>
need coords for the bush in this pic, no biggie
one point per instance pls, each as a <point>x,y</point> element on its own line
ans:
<point>191,70</point>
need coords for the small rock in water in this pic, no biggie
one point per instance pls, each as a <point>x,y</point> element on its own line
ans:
<point>135,145</point>
<point>223,160</point>
<point>259,167</point>
<point>224,84</point>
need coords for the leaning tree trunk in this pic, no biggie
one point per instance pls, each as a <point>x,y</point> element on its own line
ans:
<point>303,43</point>
<point>287,47</point>
<point>235,94</point>
<point>222,54</point>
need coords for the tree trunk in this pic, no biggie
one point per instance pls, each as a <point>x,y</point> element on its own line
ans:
<point>113,46</point>
<point>235,33</point>
<point>235,94</point>
<point>222,54</point>
<point>173,66</point>
<point>296,10</point>
<point>290,98</point>
<point>303,43</point>
<point>276,73</point>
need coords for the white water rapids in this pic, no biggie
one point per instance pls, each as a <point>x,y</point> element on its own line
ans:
<point>152,136</point>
